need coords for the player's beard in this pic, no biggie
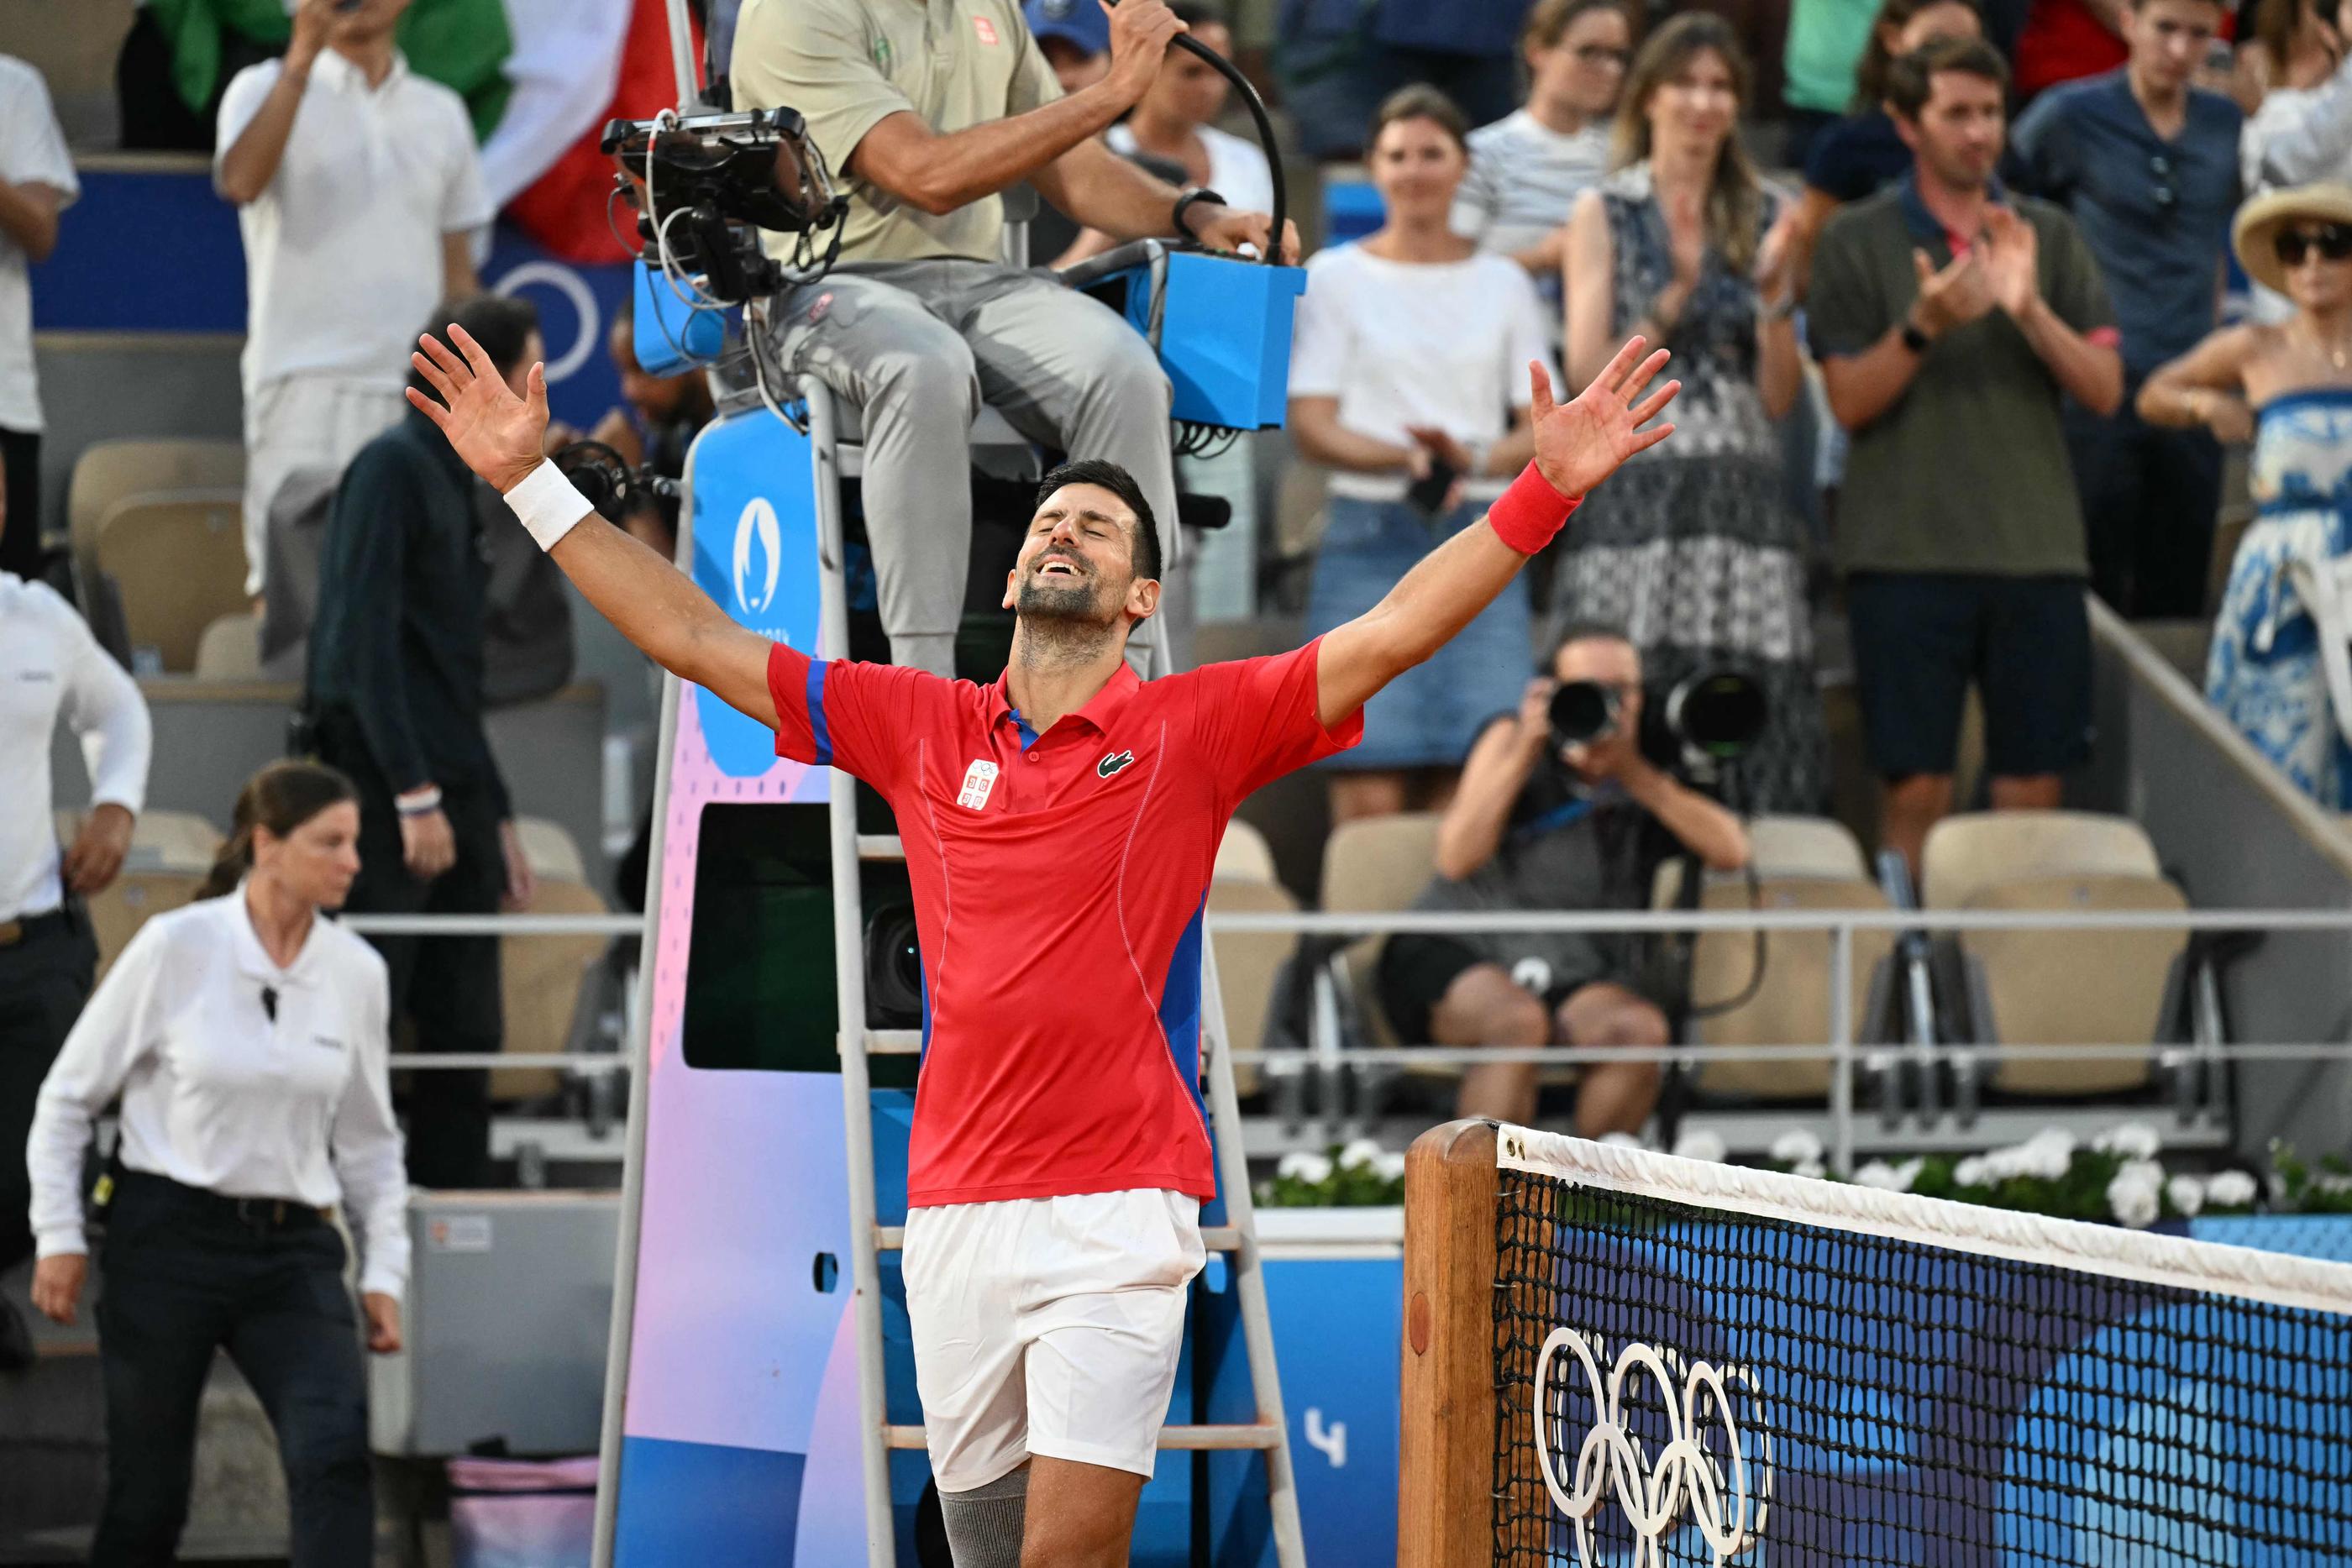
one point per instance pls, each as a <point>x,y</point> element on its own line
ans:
<point>1062,619</point>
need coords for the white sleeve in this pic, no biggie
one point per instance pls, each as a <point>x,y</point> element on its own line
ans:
<point>105,711</point>
<point>1524,332</point>
<point>466,206</point>
<point>1476,199</point>
<point>239,103</point>
<point>2313,138</point>
<point>113,1032</point>
<point>366,1148</point>
<point>34,151</point>
<point>1322,340</point>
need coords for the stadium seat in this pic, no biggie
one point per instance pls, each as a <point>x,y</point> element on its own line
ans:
<point>541,981</point>
<point>1801,862</point>
<point>178,559</point>
<point>230,649</point>
<point>1371,864</point>
<point>551,849</point>
<point>110,471</point>
<point>171,852</point>
<point>1244,855</point>
<point>1250,965</point>
<point>2055,988</point>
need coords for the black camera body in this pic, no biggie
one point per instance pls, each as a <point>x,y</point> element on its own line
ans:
<point>705,185</point>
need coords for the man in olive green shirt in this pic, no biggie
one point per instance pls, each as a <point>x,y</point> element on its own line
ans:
<point>930,109</point>
<point>1948,319</point>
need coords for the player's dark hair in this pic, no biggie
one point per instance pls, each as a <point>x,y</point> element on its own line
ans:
<point>501,323</point>
<point>1911,80</point>
<point>1144,543</point>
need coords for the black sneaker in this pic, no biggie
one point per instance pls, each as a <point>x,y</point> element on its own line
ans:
<point>16,1339</point>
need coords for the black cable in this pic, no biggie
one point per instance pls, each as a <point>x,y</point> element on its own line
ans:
<point>1256,107</point>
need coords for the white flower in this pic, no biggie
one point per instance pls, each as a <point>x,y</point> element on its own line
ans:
<point>1797,1147</point>
<point>2000,1165</point>
<point>1389,1167</point>
<point>1362,1152</point>
<point>2187,1195</point>
<point>1813,1168</point>
<point>1306,1166</point>
<point>1700,1143</point>
<point>2230,1190</point>
<point>2134,1203</point>
<point>2144,1173</point>
<point>1887,1177</point>
<point>2132,1140</point>
<point>2048,1155</point>
<point>1621,1140</point>
<point>1971,1172</point>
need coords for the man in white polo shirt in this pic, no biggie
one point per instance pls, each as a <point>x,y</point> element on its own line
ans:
<point>51,668</point>
<point>357,189</point>
<point>37,182</point>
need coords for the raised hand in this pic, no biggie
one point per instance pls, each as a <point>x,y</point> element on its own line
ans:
<point>1953,297</point>
<point>2013,269</point>
<point>1580,444</point>
<point>498,435</point>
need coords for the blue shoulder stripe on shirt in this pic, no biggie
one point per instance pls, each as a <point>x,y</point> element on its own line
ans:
<point>818,732</point>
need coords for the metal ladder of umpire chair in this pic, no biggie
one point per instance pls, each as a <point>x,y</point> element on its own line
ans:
<point>1238,1238</point>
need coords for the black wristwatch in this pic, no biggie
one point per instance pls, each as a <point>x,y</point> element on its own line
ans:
<point>1186,203</point>
<point>1913,338</point>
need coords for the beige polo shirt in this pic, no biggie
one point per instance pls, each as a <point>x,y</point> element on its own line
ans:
<point>848,64</point>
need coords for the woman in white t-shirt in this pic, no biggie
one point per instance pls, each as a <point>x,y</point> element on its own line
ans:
<point>1409,363</point>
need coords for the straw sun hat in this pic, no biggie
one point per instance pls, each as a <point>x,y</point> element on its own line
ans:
<point>2259,223</point>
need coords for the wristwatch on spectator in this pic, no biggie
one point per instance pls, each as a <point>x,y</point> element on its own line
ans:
<point>421,801</point>
<point>1185,203</point>
<point>1912,338</point>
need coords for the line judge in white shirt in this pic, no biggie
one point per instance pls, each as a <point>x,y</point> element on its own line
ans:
<point>51,668</point>
<point>247,1040</point>
<point>358,190</point>
<point>37,182</point>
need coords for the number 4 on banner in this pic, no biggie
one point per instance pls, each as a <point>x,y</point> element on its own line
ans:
<point>1330,1441</point>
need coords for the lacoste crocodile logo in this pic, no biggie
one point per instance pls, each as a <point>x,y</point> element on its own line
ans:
<point>1113,763</point>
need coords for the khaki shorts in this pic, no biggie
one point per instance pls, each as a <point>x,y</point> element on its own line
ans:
<point>1048,1326</point>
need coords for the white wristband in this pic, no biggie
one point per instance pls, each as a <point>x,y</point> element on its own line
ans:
<point>548,505</point>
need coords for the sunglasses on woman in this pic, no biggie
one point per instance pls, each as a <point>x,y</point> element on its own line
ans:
<point>2332,241</point>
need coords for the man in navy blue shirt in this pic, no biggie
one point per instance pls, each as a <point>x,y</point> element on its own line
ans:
<point>2147,166</point>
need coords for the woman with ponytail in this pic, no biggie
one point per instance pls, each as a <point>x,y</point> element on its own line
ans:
<point>246,1039</point>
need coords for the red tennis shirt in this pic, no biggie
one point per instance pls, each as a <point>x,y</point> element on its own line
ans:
<point>1059,883</point>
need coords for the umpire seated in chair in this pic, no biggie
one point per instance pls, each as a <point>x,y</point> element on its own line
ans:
<point>1540,823</point>
<point>930,109</point>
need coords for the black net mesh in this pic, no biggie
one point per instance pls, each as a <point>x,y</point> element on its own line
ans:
<point>1898,1403</point>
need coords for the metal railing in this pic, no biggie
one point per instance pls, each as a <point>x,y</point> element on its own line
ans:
<point>583,1062</point>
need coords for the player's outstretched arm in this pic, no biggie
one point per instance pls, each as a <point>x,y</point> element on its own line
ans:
<point>1578,445</point>
<point>650,601</point>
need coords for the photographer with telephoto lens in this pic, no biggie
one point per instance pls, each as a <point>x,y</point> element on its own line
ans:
<point>1560,810</point>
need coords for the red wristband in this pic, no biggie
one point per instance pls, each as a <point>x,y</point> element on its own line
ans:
<point>1530,514</point>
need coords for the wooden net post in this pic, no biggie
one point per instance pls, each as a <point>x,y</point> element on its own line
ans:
<point>1445,1481</point>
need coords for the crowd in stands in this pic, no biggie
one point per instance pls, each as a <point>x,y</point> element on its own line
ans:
<point>2002,285</point>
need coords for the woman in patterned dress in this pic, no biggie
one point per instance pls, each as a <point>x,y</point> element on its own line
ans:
<point>1694,550</point>
<point>2287,387</point>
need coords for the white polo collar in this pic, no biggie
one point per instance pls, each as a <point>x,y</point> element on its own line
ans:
<point>338,71</point>
<point>253,959</point>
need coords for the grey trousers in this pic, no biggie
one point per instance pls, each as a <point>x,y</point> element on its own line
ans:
<point>918,347</point>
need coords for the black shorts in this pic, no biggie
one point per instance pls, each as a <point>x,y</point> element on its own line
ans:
<point>1920,638</point>
<point>1417,970</point>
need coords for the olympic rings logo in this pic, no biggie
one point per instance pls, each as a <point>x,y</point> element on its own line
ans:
<point>1685,1473</point>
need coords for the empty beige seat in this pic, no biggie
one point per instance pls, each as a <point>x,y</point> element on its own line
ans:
<point>2052,987</point>
<point>110,471</point>
<point>1250,964</point>
<point>1808,847</point>
<point>541,981</point>
<point>230,649</point>
<point>1244,855</point>
<point>550,850</point>
<point>178,559</point>
<point>171,854</point>
<point>1376,863</point>
<point>1792,1004</point>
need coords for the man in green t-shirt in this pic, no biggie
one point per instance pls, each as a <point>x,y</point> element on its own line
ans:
<point>1948,318</point>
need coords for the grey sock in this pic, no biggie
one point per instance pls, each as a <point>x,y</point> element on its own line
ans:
<point>985,1524</point>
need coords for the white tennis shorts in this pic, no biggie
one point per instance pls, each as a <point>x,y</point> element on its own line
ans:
<point>1048,1325</point>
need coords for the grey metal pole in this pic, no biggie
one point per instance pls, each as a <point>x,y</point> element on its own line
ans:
<point>1841,1043</point>
<point>681,56</point>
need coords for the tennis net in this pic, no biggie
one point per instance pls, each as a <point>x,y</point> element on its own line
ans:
<point>1688,1362</point>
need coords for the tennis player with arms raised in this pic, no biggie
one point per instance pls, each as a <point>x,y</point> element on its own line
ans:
<point>1060,825</point>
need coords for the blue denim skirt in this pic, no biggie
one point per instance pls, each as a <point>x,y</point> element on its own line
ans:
<point>1428,716</point>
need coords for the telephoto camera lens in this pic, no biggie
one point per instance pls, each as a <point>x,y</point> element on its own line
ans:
<point>894,967</point>
<point>1720,711</point>
<point>1582,712</point>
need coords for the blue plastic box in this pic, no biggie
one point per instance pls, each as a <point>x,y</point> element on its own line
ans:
<point>1221,329</point>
